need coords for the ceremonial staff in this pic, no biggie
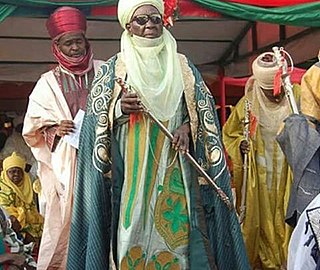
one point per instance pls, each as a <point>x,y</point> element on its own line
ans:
<point>246,134</point>
<point>285,77</point>
<point>127,88</point>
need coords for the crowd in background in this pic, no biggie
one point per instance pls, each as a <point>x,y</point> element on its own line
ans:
<point>21,223</point>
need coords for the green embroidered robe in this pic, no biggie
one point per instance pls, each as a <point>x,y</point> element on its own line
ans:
<point>131,188</point>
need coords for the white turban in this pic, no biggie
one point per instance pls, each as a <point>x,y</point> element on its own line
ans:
<point>126,8</point>
<point>264,72</point>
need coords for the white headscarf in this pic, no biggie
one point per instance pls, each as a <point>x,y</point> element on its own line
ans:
<point>264,72</point>
<point>126,8</point>
<point>152,65</point>
<point>269,114</point>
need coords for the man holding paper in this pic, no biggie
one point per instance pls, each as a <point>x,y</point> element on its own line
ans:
<point>57,98</point>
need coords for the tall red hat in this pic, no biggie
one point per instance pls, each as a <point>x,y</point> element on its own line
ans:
<point>66,20</point>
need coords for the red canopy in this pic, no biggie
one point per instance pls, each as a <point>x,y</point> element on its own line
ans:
<point>271,3</point>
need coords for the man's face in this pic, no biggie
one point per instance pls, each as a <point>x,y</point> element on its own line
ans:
<point>271,97</point>
<point>146,22</point>
<point>15,174</point>
<point>72,45</point>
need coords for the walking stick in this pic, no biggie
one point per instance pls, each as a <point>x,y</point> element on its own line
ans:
<point>188,156</point>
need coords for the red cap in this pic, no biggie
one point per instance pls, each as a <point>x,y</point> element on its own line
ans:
<point>66,20</point>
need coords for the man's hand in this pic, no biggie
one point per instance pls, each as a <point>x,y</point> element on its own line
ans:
<point>130,103</point>
<point>244,147</point>
<point>181,138</point>
<point>60,189</point>
<point>28,238</point>
<point>65,128</point>
<point>15,224</point>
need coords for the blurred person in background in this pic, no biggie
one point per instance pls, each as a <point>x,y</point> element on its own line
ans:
<point>17,198</point>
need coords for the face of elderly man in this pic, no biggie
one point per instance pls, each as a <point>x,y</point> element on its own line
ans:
<point>72,45</point>
<point>146,22</point>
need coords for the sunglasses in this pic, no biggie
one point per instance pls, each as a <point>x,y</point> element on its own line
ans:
<point>144,18</point>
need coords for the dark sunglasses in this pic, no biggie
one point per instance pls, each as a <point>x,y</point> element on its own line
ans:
<point>144,18</point>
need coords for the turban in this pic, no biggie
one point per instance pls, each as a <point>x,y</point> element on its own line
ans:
<point>264,72</point>
<point>14,161</point>
<point>23,191</point>
<point>126,8</point>
<point>66,20</point>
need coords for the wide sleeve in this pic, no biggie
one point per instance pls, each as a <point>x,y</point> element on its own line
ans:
<point>210,153</point>
<point>41,113</point>
<point>44,110</point>
<point>8,204</point>
<point>232,134</point>
<point>310,94</point>
<point>91,213</point>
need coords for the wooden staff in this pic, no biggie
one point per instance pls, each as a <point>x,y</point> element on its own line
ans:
<point>220,192</point>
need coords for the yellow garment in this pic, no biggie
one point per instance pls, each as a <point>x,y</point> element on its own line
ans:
<point>37,186</point>
<point>18,200</point>
<point>264,230</point>
<point>310,92</point>
<point>24,191</point>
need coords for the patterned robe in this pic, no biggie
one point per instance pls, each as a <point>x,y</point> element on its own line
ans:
<point>133,190</point>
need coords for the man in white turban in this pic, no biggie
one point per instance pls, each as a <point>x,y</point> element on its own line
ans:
<point>161,213</point>
<point>263,195</point>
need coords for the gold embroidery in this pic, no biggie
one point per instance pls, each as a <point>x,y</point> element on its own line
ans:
<point>202,181</point>
<point>189,93</point>
<point>171,213</point>
<point>214,155</point>
<point>163,260</point>
<point>100,96</point>
<point>120,72</point>
<point>134,259</point>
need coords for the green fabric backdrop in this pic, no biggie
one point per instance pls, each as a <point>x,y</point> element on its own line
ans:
<point>6,10</point>
<point>299,15</point>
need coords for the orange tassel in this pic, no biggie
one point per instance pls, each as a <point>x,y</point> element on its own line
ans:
<point>277,83</point>
<point>253,125</point>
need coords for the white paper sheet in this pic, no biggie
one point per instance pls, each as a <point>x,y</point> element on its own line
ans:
<point>73,138</point>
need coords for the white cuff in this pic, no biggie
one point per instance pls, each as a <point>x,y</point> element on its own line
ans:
<point>117,111</point>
